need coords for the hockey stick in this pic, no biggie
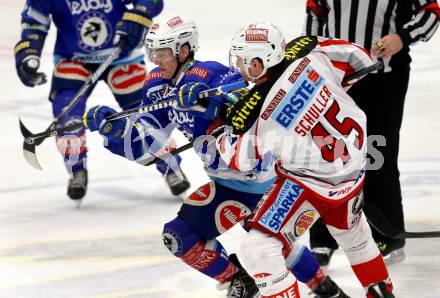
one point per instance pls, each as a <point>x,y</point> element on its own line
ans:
<point>32,140</point>
<point>353,76</point>
<point>378,221</point>
<point>363,71</point>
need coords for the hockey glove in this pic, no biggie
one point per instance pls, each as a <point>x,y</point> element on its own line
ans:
<point>27,60</point>
<point>94,120</point>
<point>189,94</point>
<point>132,29</point>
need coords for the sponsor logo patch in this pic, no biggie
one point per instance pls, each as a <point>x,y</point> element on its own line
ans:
<point>73,70</point>
<point>274,216</point>
<point>198,72</point>
<point>229,213</point>
<point>298,98</point>
<point>299,69</point>
<point>127,79</point>
<point>153,75</point>
<point>256,34</point>
<point>174,22</point>
<point>202,196</point>
<point>340,192</point>
<point>304,221</point>
<point>300,47</point>
<point>262,275</point>
<point>273,104</point>
<point>200,256</point>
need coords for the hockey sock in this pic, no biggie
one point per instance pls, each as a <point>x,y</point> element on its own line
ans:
<point>206,256</point>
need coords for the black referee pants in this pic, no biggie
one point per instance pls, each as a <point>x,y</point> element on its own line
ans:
<point>381,96</point>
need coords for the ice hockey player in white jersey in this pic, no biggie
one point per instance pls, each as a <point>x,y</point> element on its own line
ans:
<point>299,111</point>
<point>231,195</point>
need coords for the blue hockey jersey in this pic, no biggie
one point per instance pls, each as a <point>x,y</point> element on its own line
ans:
<point>156,89</point>
<point>85,28</point>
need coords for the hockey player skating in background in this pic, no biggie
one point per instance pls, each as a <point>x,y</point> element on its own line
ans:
<point>299,111</point>
<point>86,33</point>
<point>231,195</point>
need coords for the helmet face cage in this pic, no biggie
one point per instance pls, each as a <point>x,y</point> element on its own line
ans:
<point>172,34</point>
<point>258,40</point>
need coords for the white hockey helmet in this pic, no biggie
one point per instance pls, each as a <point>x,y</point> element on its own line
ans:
<point>173,33</point>
<point>261,40</point>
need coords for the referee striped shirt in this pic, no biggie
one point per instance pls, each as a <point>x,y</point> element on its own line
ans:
<point>365,21</point>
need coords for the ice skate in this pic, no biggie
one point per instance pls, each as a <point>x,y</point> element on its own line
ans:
<point>241,284</point>
<point>177,185</point>
<point>380,290</point>
<point>329,289</point>
<point>392,251</point>
<point>323,255</point>
<point>77,187</point>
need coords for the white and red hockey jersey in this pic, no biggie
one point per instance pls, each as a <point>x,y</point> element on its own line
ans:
<point>313,128</point>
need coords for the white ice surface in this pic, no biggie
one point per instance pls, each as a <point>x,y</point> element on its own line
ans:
<point>112,246</point>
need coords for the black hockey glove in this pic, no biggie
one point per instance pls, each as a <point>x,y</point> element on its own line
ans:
<point>27,60</point>
<point>132,29</point>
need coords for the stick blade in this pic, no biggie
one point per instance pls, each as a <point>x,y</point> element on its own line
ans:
<point>378,220</point>
<point>28,135</point>
<point>30,156</point>
<point>29,147</point>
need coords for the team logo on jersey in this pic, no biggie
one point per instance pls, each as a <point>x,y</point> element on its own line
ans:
<point>202,196</point>
<point>229,213</point>
<point>298,98</point>
<point>172,241</point>
<point>274,216</point>
<point>94,30</point>
<point>84,6</point>
<point>304,221</point>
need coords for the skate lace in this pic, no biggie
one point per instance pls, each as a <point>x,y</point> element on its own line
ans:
<point>236,289</point>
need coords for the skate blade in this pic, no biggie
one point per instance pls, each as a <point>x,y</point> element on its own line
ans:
<point>395,256</point>
<point>78,203</point>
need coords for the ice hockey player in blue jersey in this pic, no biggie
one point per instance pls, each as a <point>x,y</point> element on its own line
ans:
<point>87,31</point>
<point>230,196</point>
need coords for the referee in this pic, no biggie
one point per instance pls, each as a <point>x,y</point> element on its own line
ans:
<point>387,28</point>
